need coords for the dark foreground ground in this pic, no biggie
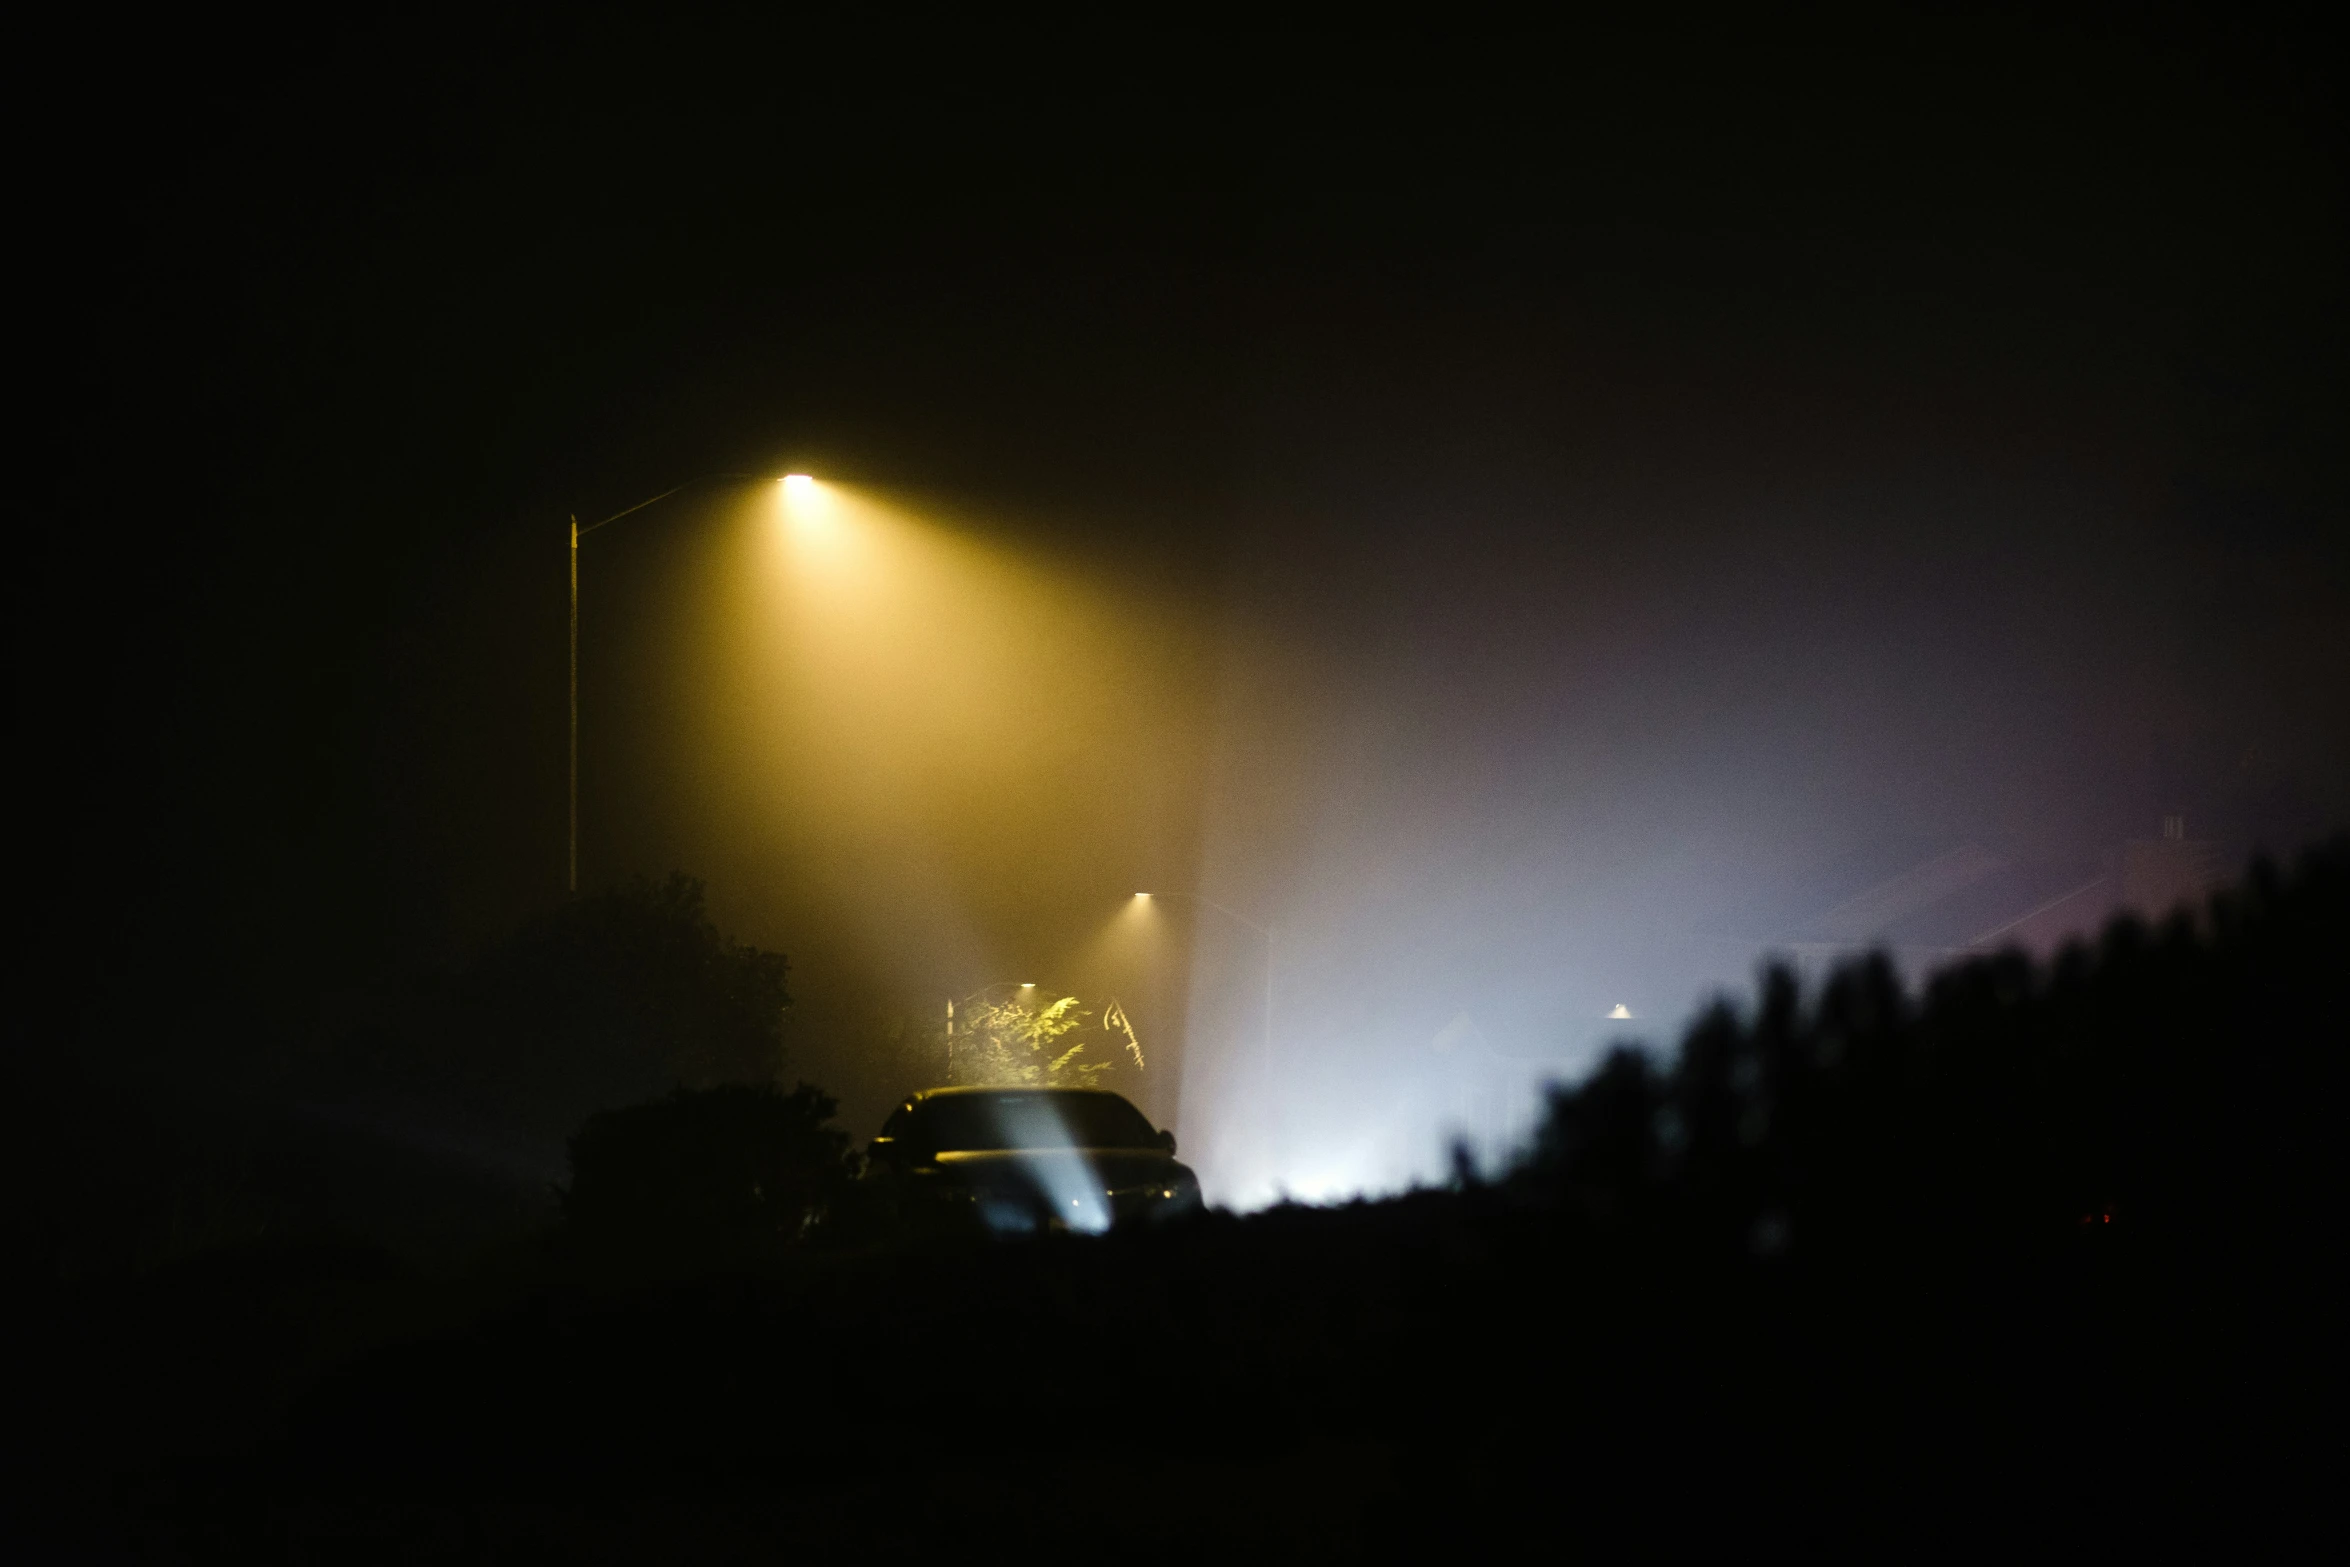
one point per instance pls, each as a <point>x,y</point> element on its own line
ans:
<point>2042,1261</point>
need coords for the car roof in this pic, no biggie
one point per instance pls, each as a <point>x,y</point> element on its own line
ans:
<point>969,1090</point>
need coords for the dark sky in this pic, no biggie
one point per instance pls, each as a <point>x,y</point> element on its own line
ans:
<point>1571,487</point>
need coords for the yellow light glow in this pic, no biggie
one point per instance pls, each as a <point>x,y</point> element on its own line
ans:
<point>813,511</point>
<point>1144,896</point>
<point>909,701</point>
<point>1621,1011</point>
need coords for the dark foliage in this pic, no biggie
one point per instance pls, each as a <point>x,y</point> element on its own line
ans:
<point>734,1173</point>
<point>2044,1256</point>
<point>2177,1086</point>
<point>614,996</point>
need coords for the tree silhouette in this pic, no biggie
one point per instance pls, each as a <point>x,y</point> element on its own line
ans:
<point>618,995</point>
<point>2172,1080</point>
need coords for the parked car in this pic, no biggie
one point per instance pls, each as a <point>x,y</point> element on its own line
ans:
<point>1028,1160</point>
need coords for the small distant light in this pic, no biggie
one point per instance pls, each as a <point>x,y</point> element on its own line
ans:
<point>1142,895</point>
<point>1621,1011</point>
<point>798,481</point>
<point>1028,984</point>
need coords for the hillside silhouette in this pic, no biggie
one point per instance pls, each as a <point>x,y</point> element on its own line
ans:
<point>2044,1247</point>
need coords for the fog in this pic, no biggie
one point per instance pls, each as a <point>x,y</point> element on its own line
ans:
<point>1541,763</point>
<point>1535,560</point>
<point>1337,577</point>
<point>1515,748</point>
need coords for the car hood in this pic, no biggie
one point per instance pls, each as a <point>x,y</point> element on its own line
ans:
<point>1110,1169</point>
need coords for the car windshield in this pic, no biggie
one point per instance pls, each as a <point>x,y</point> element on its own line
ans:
<point>978,1123</point>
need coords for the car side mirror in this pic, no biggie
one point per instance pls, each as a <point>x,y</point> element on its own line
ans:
<point>1167,1143</point>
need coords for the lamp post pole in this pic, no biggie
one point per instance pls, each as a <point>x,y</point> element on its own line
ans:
<point>571,769</point>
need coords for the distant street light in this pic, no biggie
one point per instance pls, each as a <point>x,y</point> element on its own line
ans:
<point>792,483</point>
<point>1240,919</point>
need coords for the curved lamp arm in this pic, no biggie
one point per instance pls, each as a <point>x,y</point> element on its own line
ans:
<point>699,478</point>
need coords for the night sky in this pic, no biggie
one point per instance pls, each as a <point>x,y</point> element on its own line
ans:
<point>1519,518</point>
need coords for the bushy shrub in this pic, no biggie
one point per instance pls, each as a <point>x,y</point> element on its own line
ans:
<point>733,1173</point>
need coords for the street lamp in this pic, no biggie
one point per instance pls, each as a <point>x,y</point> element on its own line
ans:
<point>1242,920</point>
<point>792,482</point>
